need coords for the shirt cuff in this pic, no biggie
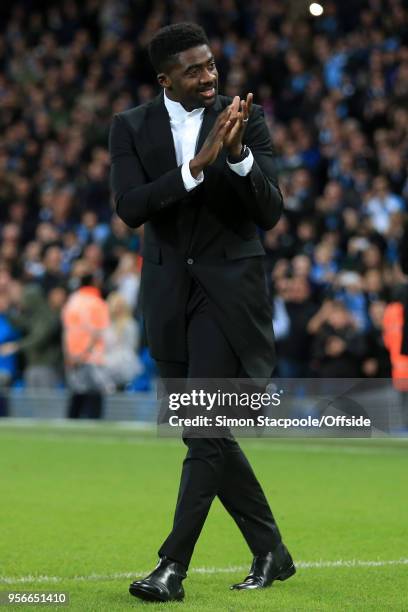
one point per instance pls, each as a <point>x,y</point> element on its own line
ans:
<point>188,179</point>
<point>244,167</point>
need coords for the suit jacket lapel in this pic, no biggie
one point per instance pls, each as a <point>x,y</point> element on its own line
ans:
<point>156,143</point>
<point>210,115</point>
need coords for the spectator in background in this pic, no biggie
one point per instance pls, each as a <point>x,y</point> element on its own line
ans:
<point>95,192</point>
<point>299,308</point>
<point>375,288</point>
<point>90,230</point>
<point>395,328</point>
<point>85,319</point>
<point>330,205</point>
<point>9,247</point>
<point>40,342</point>
<point>71,250</point>
<point>393,335</point>
<point>8,363</point>
<point>122,341</point>
<point>46,234</point>
<point>8,333</point>
<point>93,255</point>
<point>52,263</point>
<point>33,266</point>
<point>382,205</point>
<point>126,279</point>
<point>377,359</point>
<point>337,347</point>
<point>9,256</point>
<point>280,318</point>
<point>301,266</point>
<point>119,240</point>
<point>350,292</point>
<point>278,243</point>
<point>371,258</point>
<point>324,267</point>
<point>306,237</point>
<point>300,198</point>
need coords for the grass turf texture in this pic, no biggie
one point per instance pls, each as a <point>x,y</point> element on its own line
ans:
<point>87,503</point>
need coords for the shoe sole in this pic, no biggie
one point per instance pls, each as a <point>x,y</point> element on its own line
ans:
<point>287,573</point>
<point>147,595</point>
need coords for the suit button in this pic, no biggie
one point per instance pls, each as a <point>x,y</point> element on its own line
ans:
<point>190,261</point>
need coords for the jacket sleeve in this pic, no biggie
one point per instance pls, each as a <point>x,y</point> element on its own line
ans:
<point>40,334</point>
<point>259,190</point>
<point>136,199</point>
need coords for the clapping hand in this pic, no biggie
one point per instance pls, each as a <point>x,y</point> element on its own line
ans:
<point>212,144</point>
<point>240,111</point>
<point>227,132</point>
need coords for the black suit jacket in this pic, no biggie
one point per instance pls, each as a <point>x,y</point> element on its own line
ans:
<point>209,233</point>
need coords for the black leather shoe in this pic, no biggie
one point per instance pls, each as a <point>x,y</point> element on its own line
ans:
<point>276,565</point>
<point>163,584</point>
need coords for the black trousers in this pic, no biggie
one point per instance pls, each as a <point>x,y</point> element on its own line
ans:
<point>214,466</point>
<point>88,405</point>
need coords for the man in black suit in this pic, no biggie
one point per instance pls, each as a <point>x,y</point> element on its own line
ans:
<point>198,170</point>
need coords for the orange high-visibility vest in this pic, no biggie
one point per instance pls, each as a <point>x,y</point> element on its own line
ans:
<point>392,333</point>
<point>85,318</point>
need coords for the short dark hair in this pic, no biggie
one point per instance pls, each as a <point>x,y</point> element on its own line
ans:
<point>173,39</point>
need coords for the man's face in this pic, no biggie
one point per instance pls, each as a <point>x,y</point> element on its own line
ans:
<point>193,80</point>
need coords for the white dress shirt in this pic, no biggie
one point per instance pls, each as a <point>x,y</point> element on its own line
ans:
<point>185,127</point>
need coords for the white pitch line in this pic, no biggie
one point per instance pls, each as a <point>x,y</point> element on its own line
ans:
<point>123,433</point>
<point>201,570</point>
<point>253,444</point>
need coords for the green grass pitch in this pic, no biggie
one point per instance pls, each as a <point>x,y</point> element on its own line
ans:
<point>84,508</point>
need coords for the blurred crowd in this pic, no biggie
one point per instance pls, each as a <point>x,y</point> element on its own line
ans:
<point>335,94</point>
